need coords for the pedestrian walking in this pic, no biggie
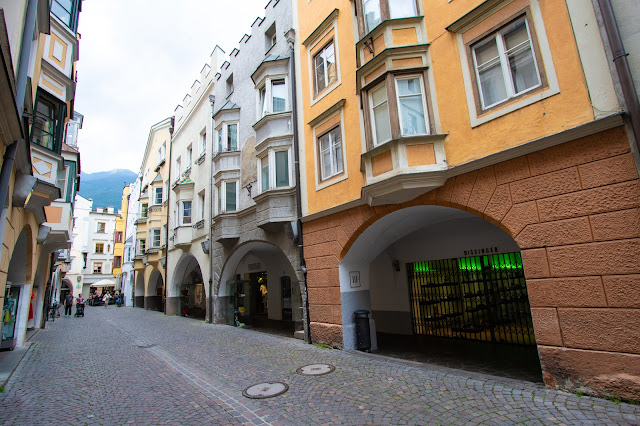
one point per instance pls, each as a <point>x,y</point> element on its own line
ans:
<point>68,303</point>
<point>105,299</point>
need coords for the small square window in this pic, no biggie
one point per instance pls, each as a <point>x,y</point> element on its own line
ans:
<point>97,268</point>
<point>270,37</point>
<point>229,85</point>
<point>99,248</point>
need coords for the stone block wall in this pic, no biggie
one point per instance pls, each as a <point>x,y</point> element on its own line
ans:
<point>574,210</point>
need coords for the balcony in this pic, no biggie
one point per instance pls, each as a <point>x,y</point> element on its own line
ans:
<point>226,228</point>
<point>403,169</point>
<point>274,208</point>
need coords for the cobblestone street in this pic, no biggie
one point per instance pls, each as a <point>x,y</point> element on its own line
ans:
<point>125,365</point>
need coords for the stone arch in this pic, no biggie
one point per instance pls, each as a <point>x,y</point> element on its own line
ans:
<point>187,262</point>
<point>187,292</point>
<point>154,296</point>
<point>139,290</point>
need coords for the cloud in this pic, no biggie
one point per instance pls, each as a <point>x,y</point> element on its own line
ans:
<point>138,58</point>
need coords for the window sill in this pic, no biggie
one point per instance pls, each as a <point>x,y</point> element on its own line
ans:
<point>200,159</point>
<point>270,117</point>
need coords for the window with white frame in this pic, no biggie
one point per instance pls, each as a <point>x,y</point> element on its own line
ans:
<point>274,170</point>
<point>201,204</point>
<point>203,141</point>
<point>157,195</point>
<point>412,105</point>
<point>188,157</point>
<point>330,150</point>
<point>270,37</point>
<point>273,96</point>
<point>380,114</point>
<point>162,153</point>
<point>154,238</point>
<point>142,246</point>
<point>227,196</point>
<point>97,267</point>
<point>144,210</point>
<point>185,212</point>
<point>505,64</point>
<point>227,137</point>
<point>325,72</point>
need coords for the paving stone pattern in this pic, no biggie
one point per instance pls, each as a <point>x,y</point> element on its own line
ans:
<point>130,366</point>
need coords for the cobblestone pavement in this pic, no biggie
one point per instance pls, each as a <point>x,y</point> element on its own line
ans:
<point>126,365</point>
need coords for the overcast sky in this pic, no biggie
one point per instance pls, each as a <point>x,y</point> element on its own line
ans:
<point>138,58</point>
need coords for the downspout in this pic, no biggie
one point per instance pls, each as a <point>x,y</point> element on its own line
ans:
<point>25,52</point>
<point>622,67</point>
<point>212,100</point>
<point>166,236</point>
<point>296,149</point>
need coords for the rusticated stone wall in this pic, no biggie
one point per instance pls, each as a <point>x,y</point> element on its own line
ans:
<point>574,210</point>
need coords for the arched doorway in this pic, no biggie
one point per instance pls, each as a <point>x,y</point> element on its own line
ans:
<point>442,285</point>
<point>65,288</point>
<point>15,309</point>
<point>154,300</point>
<point>139,290</point>
<point>189,288</point>
<point>259,289</point>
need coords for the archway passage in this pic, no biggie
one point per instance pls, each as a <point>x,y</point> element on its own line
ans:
<point>155,294</point>
<point>193,302</point>
<point>442,286</point>
<point>138,299</point>
<point>260,291</point>
<point>17,293</point>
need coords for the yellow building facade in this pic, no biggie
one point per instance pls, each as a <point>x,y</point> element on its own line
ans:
<point>151,223</point>
<point>467,175</point>
<point>119,237</point>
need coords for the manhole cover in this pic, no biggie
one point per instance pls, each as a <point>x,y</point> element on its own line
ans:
<point>265,390</point>
<point>315,369</point>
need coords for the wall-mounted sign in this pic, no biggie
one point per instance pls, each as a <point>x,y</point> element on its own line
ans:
<point>484,250</point>
<point>354,279</point>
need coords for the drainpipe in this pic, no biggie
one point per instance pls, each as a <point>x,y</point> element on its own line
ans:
<point>166,236</point>
<point>622,67</point>
<point>212,100</point>
<point>25,51</point>
<point>296,149</point>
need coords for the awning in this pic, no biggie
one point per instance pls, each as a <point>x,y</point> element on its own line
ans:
<point>103,283</point>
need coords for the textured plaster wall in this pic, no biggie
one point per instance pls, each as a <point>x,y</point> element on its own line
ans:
<point>574,210</point>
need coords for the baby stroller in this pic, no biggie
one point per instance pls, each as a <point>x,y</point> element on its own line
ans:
<point>79,310</point>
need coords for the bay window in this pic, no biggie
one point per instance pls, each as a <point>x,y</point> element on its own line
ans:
<point>67,12</point>
<point>273,97</point>
<point>157,195</point>
<point>154,238</point>
<point>330,150</point>
<point>227,137</point>
<point>505,64</point>
<point>398,107</point>
<point>142,246</point>
<point>227,197</point>
<point>185,212</point>
<point>48,122</point>
<point>373,12</point>
<point>274,170</point>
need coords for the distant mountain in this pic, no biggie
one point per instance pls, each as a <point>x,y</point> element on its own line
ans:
<point>105,187</point>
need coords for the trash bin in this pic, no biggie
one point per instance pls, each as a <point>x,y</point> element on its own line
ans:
<point>363,332</point>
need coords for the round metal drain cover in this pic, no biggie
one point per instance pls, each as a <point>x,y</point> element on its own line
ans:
<point>265,390</point>
<point>315,369</point>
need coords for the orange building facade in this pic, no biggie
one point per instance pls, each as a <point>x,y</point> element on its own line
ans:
<point>468,176</point>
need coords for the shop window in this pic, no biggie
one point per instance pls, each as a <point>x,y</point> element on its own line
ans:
<point>505,64</point>
<point>227,137</point>
<point>330,153</point>
<point>325,71</point>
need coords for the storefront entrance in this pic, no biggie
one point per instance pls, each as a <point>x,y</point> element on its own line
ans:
<point>474,298</point>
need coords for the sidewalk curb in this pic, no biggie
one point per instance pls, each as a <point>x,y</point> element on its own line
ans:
<point>10,360</point>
